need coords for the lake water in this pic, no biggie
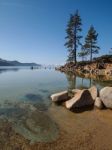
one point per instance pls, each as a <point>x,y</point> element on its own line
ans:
<point>25,99</point>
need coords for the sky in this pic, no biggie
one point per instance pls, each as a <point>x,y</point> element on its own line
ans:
<point>34,30</point>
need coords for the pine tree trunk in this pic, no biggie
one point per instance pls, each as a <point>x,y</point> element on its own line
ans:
<point>91,56</point>
<point>91,53</point>
<point>75,54</point>
<point>75,46</point>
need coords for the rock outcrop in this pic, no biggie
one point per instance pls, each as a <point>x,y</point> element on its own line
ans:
<point>106,96</point>
<point>60,97</point>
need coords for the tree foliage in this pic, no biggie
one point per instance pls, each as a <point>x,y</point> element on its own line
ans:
<point>73,37</point>
<point>83,53</point>
<point>91,42</point>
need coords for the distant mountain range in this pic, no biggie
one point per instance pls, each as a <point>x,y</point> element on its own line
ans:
<point>16,63</point>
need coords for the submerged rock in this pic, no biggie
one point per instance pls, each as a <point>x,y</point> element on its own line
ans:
<point>106,96</point>
<point>30,121</point>
<point>27,106</point>
<point>98,103</point>
<point>34,97</point>
<point>60,97</point>
<point>37,127</point>
<point>81,99</point>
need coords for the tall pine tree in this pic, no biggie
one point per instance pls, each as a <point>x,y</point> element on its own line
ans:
<point>73,37</point>
<point>69,37</point>
<point>91,42</point>
<point>83,53</point>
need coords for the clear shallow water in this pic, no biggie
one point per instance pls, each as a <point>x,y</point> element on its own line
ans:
<point>25,98</point>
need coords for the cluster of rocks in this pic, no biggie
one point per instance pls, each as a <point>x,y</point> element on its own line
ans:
<point>85,98</point>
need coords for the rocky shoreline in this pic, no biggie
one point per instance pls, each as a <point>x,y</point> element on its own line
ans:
<point>78,100</point>
<point>98,66</point>
<point>91,68</point>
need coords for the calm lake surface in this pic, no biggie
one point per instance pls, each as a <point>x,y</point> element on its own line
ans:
<point>25,99</point>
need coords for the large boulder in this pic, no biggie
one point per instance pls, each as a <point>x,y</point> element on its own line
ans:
<point>60,97</point>
<point>98,103</point>
<point>81,99</point>
<point>106,96</point>
<point>94,92</point>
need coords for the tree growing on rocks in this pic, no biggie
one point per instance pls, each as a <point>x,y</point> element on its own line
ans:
<point>73,37</point>
<point>91,42</point>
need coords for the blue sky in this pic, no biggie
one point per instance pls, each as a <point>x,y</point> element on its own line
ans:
<point>34,30</point>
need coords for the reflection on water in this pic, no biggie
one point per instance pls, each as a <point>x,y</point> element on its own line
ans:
<point>81,81</point>
<point>71,78</point>
<point>25,99</point>
<point>3,70</point>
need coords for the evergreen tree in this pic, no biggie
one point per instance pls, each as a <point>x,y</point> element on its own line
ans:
<point>91,42</point>
<point>83,53</point>
<point>73,37</point>
<point>69,37</point>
